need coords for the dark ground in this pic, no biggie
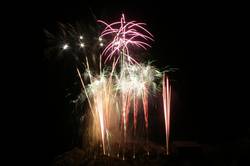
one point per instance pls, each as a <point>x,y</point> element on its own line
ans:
<point>182,154</point>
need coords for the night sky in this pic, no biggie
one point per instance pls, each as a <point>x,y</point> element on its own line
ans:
<point>204,41</point>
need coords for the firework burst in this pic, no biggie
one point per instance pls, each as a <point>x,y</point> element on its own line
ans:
<point>125,34</point>
<point>113,95</point>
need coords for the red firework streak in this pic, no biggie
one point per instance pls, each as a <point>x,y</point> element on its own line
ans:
<point>166,95</point>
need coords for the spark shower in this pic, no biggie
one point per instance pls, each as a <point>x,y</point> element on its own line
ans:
<point>117,96</point>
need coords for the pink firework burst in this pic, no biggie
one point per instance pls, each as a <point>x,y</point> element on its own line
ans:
<point>125,33</point>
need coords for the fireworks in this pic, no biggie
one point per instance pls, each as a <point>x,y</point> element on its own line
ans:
<point>125,34</point>
<point>117,93</point>
<point>65,46</point>
<point>166,94</point>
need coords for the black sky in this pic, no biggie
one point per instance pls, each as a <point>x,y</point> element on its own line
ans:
<point>204,41</point>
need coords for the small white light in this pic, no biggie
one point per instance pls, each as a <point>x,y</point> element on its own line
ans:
<point>65,46</point>
<point>82,45</point>
<point>81,37</point>
<point>101,44</point>
<point>100,39</point>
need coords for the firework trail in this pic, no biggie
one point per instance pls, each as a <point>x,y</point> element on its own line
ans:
<point>166,94</point>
